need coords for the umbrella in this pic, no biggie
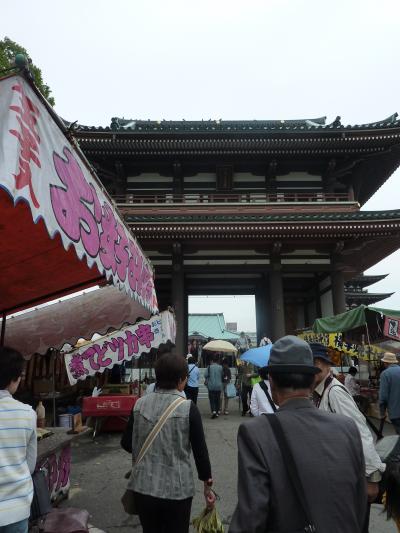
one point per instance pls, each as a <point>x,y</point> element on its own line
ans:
<point>220,346</point>
<point>257,356</point>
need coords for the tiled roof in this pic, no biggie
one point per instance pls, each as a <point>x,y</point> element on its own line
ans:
<point>210,325</point>
<point>231,126</point>
<point>358,216</point>
<point>364,280</point>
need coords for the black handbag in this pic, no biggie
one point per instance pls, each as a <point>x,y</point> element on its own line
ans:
<point>292,471</point>
<point>41,502</point>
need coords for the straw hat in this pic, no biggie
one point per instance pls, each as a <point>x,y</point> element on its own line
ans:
<point>390,358</point>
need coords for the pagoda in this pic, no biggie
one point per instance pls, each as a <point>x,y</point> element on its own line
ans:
<point>357,294</point>
<point>264,207</point>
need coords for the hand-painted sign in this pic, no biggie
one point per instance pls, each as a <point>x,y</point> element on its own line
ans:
<point>120,346</point>
<point>337,342</point>
<point>45,170</point>
<point>57,468</point>
<point>391,328</point>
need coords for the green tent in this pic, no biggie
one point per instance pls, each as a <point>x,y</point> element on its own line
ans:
<point>357,321</point>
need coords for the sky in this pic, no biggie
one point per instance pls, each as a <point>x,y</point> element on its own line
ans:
<point>220,59</point>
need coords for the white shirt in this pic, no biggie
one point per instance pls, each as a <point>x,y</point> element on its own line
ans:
<point>264,341</point>
<point>259,403</point>
<point>337,400</point>
<point>351,385</point>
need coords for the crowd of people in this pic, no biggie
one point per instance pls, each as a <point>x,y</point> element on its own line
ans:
<point>306,459</point>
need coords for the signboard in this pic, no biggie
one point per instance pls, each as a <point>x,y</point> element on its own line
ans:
<point>337,342</point>
<point>120,346</point>
<point>391,328</point>
<point>43,169</point>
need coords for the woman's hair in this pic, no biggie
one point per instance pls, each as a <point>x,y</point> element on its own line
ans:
<point>392,483</point>
<point>170,370</point>
<point>191,360</point>
<point>353,370</point>
<point>11,366</point>
<point>225,361</point>
<point>263,372</point>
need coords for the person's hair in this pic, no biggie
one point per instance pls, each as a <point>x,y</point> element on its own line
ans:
<point>290,380</point>
<point>214,358</point>
<point>170,370</point>
<point>392,485</point>
<point>11,366</point>
<point>191,360</point>
<point>263,372</point>
<point>353,370</point>
<point>225,361</point>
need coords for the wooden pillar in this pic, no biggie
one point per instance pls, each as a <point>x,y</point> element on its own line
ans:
<point>338,296</point>
<point>278,328</point>
<point>178,297</point>
<point>261,300</point>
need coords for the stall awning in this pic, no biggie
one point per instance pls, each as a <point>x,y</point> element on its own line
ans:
<point>60,231</point>
<point>356,320</point>
<point>52,326</point>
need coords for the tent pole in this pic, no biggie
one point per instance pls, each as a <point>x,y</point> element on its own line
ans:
<point>3,329</point>
<point>369,352</point>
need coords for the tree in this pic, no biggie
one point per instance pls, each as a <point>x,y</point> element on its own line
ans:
<point>8,50</point>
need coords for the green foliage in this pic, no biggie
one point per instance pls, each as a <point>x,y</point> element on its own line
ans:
<point>8,50</point>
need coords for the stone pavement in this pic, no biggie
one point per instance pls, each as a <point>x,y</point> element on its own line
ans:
<point>98,468</point>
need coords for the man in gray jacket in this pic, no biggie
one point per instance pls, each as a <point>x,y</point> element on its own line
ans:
<point>326,449</point>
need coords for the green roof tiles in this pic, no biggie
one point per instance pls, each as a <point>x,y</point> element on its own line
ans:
<point>210,325</point>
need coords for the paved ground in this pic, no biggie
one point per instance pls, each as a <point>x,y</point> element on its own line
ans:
<point>98,477</point>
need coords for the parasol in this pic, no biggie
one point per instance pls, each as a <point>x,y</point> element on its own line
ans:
<point>220,346</point>
<point>257,356</point>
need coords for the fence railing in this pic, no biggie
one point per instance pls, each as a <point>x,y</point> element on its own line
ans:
<point>237,198</point>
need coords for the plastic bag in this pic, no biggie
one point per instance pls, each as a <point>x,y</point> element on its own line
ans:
<point>208,522</point>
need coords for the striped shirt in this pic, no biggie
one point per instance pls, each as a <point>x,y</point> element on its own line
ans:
<point>18,448</point>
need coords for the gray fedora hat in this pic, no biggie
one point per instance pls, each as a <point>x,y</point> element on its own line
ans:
<point>291,354</point>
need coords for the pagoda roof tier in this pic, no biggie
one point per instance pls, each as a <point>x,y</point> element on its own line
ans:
<point>366,298</point>
<point>364,280</point>
<point>365,237</point>
<point>378,218</point>
<point>363,155</point>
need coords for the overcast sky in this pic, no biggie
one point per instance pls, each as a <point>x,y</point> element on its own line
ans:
<point>253,59</point>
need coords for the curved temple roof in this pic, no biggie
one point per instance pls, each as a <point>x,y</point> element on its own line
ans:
<point>231,126</point>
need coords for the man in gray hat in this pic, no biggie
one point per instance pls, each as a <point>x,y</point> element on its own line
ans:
<point>326,450</point>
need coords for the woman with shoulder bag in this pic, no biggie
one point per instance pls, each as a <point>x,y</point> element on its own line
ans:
<point>162,479</point>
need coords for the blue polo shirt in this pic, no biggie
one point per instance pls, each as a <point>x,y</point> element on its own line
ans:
<point>194,376</point>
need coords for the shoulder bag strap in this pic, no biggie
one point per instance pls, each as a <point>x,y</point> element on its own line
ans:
<point>292,471</point>
<point>157,428</point>
<point>267,394</point>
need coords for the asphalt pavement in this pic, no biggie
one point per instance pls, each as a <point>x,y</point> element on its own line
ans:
<point>98,468</point>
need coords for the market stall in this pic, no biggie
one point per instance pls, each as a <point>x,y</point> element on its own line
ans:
<point>60,233</point>
<point>362,332</point>
<point>117,348</point>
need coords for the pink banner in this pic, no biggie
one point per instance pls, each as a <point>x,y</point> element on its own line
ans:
<point>43,168</point>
